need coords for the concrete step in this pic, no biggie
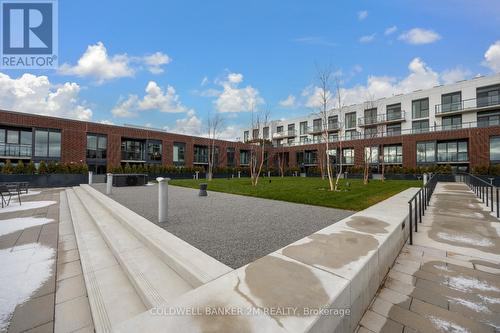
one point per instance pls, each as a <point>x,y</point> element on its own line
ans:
<point>154,281</point>
<point>112,297</point>
<point>193,265</point>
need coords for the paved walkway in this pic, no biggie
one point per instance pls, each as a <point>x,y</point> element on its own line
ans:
<point>41,281</point>
<point>449,280</point>
<point>234,229</point>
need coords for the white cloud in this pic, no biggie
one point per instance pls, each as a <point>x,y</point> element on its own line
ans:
<point>98,65</point>
<point>315,40</point>
<point>367,38</point>
<point>288,102</point>
<point>204,81</point>
<point>155,61</point>
<point>232,98</point>
<point>419,36</point>
<point>492,57</point>
<point>107,122</point>
<point>313,96</point>
<point>193,125</point>
<point>390,30</point>
<point>155,99</point>
<point>455,75</point>
<point>362,15</point>
<point>35,94</point>
<point>126,108</point>
<point>420,76</point>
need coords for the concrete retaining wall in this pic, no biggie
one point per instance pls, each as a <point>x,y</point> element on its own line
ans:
<point>302,287</point>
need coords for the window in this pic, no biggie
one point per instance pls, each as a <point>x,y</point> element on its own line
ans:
<point>279,129</point>
<point>488,118</point>
<point>178,153</point>
<point>47,143</point>
<point>426,152</point>
<point>291,129</point>
<point>245,136</point>
<point>200,154</point>
<point>393,154</point>
<point>452,151</point>
<point>333,122</point>
<point>351,134</point>
<point>317,138</point>
<point>332,137</point>
<point>495,149</point>
<point>310,157</point>
<point>350,120</point>
<point>96,146</point>
<point>394,129</point>
<point>303,139</point>
<point>487,96</point>
<point>16,143</point>
<point>371,155</point>
<point>393,111</point>
<point>303,127</point>
<point>451,102</point>
<point>370,116</point>
<point>420,126</point>
<point>317,125</point>
<point>420,108</point>
<point>348,155</point>
<point>290,141</point>
<point>370,132</point>
<point>230,157</point>
<point>452,122</point>
<point>265,133</point>
<point>154,150</point>
<point>244,157</point>
<point>255,133</point>
<point>132,150</point>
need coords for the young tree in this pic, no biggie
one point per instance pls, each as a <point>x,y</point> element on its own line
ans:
<point>259,145</point>
<point>281,160</point>
<point>338,92</point>
<point>324,81</point>
<point>370,141</point>
<point>215,124</point>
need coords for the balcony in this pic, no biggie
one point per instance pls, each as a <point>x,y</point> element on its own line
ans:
<point>381,119</point>
<point>332,127</point>
<point>19,151</point>
<point>133,156</point>
<point>285,134</point>
<point>467,105</point>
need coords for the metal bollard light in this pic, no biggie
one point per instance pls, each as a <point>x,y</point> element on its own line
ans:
<point>91,180</point>
<point>162,199</point>
<point>109,183</point>
<point>239,174</point>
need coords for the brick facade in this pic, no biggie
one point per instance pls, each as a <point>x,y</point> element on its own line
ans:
<point>74,140</point>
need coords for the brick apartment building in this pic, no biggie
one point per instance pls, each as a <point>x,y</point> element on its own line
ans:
<point>456,124</point>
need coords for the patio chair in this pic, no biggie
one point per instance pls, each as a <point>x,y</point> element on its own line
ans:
<point>6,192</point>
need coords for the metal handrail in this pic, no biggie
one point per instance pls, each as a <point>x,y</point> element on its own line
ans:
<point>422,199</point>
<point>483,190</point>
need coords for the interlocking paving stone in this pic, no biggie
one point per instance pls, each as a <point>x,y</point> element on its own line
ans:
<point>33,313</point>
<point>450,291</point>
<point>67,310</point>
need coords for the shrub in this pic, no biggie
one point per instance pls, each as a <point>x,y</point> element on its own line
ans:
<point>42,168</point>
<point>19,169</point>
<point>30,168</point>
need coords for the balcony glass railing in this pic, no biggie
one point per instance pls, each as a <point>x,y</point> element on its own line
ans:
<point>200,158</point>
<point>284,134</point>
<point>381,134</point>
<point>15,150</point>
<point>468,104</point>
<point>132,155</point>
<point>382,118</point>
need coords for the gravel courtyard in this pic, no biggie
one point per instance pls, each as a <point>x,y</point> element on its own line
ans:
<point>234,229</point>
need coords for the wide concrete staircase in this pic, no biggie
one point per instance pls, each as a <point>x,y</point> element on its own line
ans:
<point>129,264</point>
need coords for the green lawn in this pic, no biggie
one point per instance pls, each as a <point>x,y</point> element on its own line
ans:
<point>312,191</point>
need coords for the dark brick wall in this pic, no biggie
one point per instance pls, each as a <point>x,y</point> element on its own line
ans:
<point>74,140</point>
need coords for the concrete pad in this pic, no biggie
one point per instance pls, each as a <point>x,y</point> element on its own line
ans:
<point>33,313</point>
<point>68,270</point>
<point>70,288</point>
<point>65,318</point>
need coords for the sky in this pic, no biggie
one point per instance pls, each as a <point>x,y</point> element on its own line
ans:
<point>173,64</point>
